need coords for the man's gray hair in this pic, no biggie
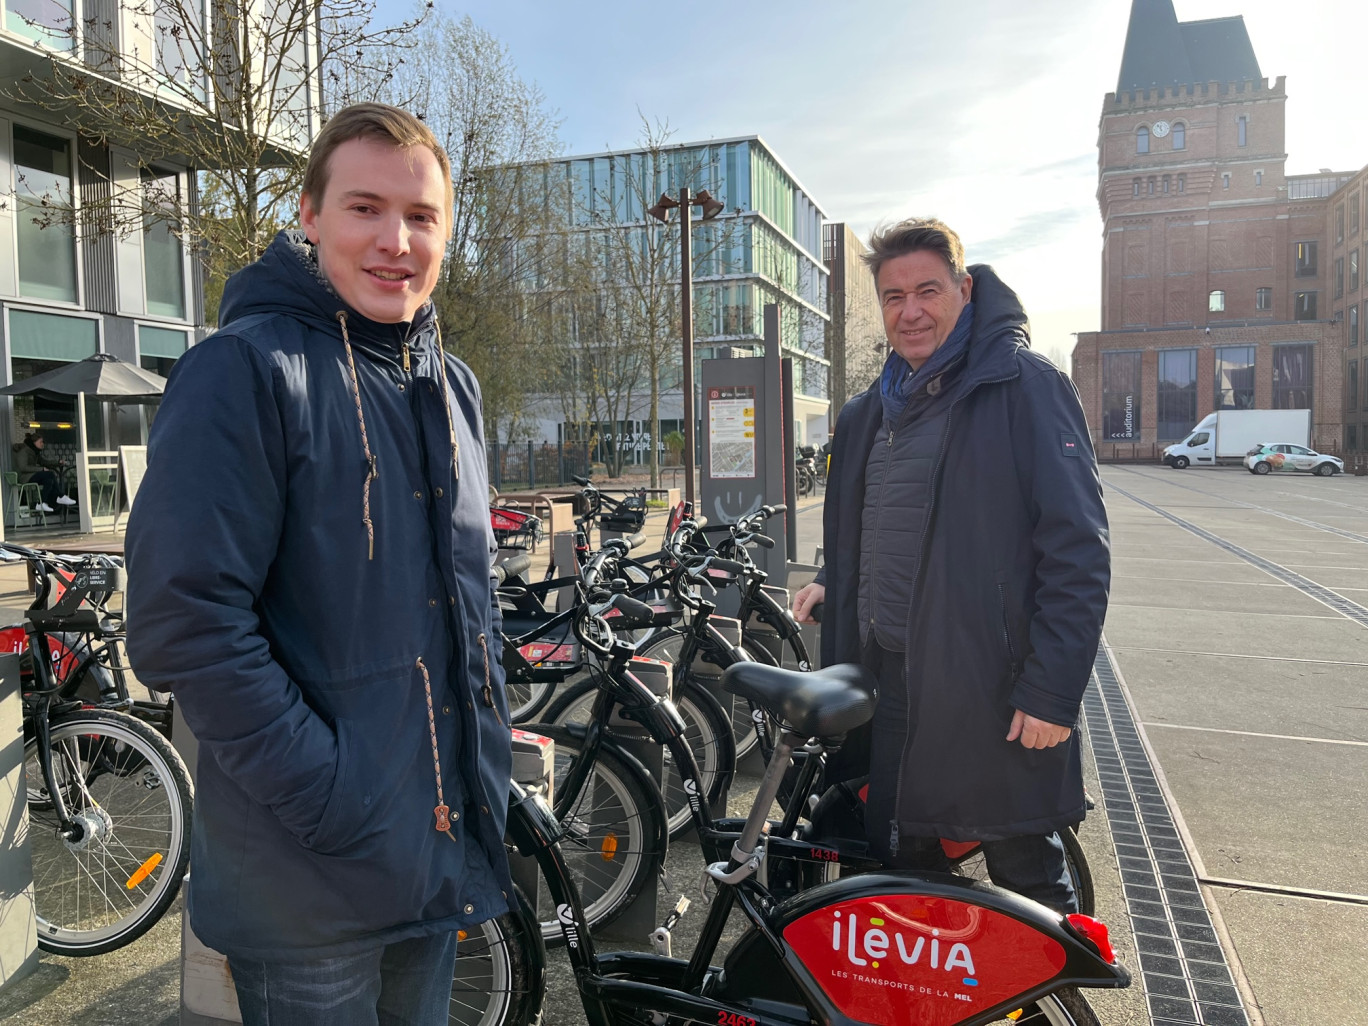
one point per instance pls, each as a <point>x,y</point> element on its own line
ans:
<point>911,236</point>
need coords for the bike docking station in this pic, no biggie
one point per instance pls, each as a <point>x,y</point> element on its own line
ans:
<point>747,461</point>
<point>18,929</point>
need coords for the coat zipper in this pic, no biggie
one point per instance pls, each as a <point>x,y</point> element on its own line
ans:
<point>916,581</point>
<point>1006,632</point>
<point>488,690</point>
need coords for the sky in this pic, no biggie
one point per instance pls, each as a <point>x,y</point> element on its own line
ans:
<point>985,115</point>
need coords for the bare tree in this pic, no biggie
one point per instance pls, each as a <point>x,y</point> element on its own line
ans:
<point>231,90</point>
<point>642,257</point>
<point>500,134</point>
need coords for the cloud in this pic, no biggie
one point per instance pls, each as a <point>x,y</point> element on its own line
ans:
<point>1035,230</point>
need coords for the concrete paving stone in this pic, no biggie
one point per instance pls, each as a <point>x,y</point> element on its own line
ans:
<point>1278,599</point>
<point>1306,960</point>
<point>1328,636</point>
<point>1336,578</point>
<point>1268,695</point>
<point>1272,811</point>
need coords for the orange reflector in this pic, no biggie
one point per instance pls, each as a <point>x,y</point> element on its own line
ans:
<point>144,871</point>
<point>609,847</point>
<point>1014,1016</point>
<point>461,935</point>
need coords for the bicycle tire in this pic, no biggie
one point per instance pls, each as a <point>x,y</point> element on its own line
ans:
<point>499,976</point>
<point>615,846</point>
<point>707,732</point>
<point>527,698</point>
<point>136,845</point>
<point>1066,1007</point>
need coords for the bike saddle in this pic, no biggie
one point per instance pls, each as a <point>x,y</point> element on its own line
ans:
<point>819,703</point>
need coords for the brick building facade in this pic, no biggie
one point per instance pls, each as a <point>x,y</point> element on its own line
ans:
<point>1219,286</point>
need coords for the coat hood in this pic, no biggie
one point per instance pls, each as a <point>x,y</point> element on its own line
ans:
<point>1000,326</point>
<point>287,280</point>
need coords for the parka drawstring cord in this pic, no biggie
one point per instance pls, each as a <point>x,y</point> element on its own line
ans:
<point>373,470</point>
<point>446,396</point>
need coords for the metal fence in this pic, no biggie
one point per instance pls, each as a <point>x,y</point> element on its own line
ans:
<point>533,465</point>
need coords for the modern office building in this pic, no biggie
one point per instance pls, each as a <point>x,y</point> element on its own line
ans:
<point>71,285</point>
<point>765,246</point>
<point>1226,282</point>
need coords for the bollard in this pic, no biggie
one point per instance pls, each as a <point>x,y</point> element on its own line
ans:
<point>18,933</point>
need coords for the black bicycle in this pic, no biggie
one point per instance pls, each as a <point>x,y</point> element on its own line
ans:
<point>109,799</point>
<point>897,948</point>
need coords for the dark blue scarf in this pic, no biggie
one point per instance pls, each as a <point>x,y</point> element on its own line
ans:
<point>899,380</point>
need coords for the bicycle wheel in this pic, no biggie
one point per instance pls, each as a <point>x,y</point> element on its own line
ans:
<point>131,798</point>
<point>973,867</point>
<point>614,839</point>
<point>499,975</point>
<point>526,698</point>
<point>1067,1007</point>
<point>707,732</point>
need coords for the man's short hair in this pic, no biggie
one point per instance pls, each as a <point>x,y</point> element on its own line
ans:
<point>377,121</point>
<point>912,235</point>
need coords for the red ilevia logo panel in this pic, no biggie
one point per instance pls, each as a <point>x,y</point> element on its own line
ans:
<point>917,960</point>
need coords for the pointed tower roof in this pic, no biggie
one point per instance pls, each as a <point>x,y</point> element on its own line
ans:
<point>1155,54</point>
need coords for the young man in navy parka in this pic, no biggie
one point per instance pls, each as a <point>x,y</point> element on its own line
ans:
<point>309,574</point>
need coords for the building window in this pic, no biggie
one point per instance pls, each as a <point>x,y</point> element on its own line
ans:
<point>1258,178</point>
<point>1304,306</point>
<point>1306,259</point>
<point>1351,438</point>
<point>1353,215</point>
<point>1179,136</point>
<point>1291,377</point>
<point>1351,386</point>
<point>1182,183</point>
<point>1121,397</point>
<point>48,22</point>
<point>1339,224</point>
<point>1242,130</point>
<point>1135,187</point>
<point>1216,301</point>
<point>160,348</point>
<point>1166,184</point>
<point>1225,180</point>
<point>1235,378</point>
<point>47,242</point>
<point>1263,299</point>
<point>1353,270</point>
<point>1142,139</point>
<point>1151,186</point>
<point>1177,393</point>
<point>1353,325</point>
<point>1339,277</point>
<point>163,257</point>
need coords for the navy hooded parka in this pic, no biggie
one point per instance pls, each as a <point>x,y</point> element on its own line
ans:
<point>311,541</point>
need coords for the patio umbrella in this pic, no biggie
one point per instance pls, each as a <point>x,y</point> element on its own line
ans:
<point>99,377</point>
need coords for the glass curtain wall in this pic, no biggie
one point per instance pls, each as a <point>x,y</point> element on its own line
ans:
<point>1235,378</point>
<point>1292,377</point>
<point>1177,395</point>
<point>163,257</point>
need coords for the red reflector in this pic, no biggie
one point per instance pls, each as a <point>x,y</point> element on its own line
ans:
<point>1095,931</point>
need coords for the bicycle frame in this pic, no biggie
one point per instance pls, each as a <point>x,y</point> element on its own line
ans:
<point>794,965</point>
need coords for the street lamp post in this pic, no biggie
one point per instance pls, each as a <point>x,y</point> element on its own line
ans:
<point>661,212</point>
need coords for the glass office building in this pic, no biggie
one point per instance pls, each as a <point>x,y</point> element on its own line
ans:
<point>765,246</point>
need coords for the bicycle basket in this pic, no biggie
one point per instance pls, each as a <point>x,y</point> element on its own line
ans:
<point>513,528</point>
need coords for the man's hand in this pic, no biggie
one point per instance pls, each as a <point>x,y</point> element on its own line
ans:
<point>1034,733</point>
<point>808,596</point>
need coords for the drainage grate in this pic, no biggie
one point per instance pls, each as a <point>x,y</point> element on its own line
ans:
<point>1187,980</point>
<point>1319,592</point>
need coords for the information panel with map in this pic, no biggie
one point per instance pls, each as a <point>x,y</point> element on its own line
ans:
<point>731,431</point>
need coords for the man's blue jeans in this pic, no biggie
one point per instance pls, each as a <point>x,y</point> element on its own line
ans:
<point>407,983</point>
<point>1033,865</point>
